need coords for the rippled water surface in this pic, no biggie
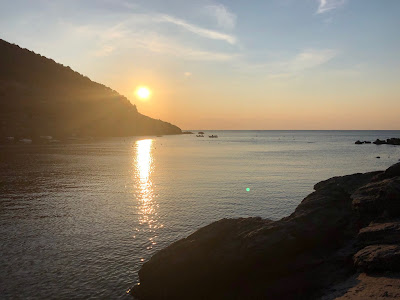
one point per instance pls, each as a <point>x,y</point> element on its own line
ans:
<point>78,220</point>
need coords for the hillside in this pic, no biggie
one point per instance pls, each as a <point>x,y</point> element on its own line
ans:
<point>41,97</point>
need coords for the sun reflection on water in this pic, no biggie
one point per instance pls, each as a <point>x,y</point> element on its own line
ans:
<point>144,166</point>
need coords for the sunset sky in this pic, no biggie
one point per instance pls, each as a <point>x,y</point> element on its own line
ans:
<point>271,64</point>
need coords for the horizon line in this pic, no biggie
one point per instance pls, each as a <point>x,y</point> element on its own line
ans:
<point>291,129</point>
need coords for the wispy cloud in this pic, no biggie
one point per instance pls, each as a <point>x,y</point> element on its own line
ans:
<point>156,43</point>
<point>307,59</point>
<point>224,17</point>
<point>281,67</point>
<point>125,36</point>
<point>203,32</point>
<point>148,31</point>
<point>311,58</point>
<point>328,5</point>
<point>122,3</point>
<point>105,50</point>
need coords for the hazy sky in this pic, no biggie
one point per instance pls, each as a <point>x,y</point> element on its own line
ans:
<point>271,64</point>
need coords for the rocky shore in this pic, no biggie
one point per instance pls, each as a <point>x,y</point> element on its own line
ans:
<point>342,242</point>
<point>391,141</point>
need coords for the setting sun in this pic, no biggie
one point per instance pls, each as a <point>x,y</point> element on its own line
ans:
<point>143,92</point>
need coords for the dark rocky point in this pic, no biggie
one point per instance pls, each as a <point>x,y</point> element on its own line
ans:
<point>349,224</point>
<point>391,141</point>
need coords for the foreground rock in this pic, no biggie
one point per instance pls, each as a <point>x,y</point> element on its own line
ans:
<point>331,235</point>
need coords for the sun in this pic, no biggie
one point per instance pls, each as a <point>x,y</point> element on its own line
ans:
<point>143,92</point>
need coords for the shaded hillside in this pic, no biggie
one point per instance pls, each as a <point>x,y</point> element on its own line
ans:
<point>41,97</point>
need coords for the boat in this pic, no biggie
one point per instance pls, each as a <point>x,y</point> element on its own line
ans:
<point>25,141</point>
<point>200,135</point>
<point>213,136</point>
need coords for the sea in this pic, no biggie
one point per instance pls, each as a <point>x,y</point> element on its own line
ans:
<point>79,219</point>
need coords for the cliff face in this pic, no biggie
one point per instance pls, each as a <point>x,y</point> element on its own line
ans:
<point>41,97</point>
<point>348,224</point>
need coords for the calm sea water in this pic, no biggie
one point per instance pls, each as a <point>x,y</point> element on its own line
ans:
<point>78,220</point>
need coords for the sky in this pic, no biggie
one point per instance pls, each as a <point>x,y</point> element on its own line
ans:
<point>270,64</point>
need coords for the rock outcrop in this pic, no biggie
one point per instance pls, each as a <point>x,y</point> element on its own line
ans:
<point>378,258</point>
<point>380,233</point>
<point>391,141</point>
<point>349,224</point>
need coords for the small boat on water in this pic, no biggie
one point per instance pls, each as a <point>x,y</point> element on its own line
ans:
<point>200,135</point>
<point>25,141</point>
<point>213,136</point>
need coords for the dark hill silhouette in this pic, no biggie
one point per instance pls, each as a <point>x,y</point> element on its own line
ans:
<point>41,97</point>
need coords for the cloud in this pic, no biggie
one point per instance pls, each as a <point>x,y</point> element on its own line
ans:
<point>224,17</point>
<point>328,5</point>
<point>307,59</point>
<point>141,31</point>
<point>125,36</point>
<point>165,45</point>
<point>311,58</point>
<point>125,4</point>
<point>280,68</point>
<point>203,32</point>
<point>104,51</point>
<point>143,22</point>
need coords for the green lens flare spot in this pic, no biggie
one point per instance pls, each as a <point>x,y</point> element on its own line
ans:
<point>247,189</point>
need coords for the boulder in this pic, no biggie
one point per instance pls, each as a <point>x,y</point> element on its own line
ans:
<point>379,142</point>
<point>393,141</point>
<point>378,258</point>
<point>380,233</point>
<point>252,257</point>
<point>348,183</point>
<point>392,171</point>
<point>377,198</point>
